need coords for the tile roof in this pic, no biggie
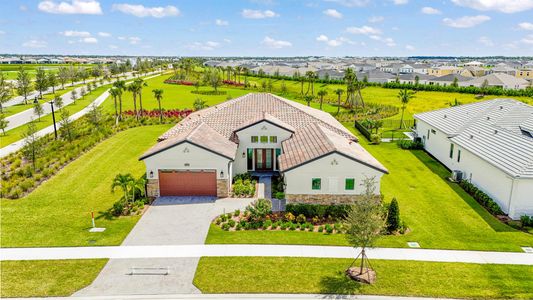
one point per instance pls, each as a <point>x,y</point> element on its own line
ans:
<point>492,130</point>
<point>315,141</point>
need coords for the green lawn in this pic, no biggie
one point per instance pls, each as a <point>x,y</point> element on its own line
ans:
<point>326,276</point>
<point>57,213</point>
<point>439,213</point>
<point>47,278</point>
<point>10,70</point>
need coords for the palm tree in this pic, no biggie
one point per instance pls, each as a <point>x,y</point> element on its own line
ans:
<point>158,94</point>
<point>308,99</point>
<point>134,89</point>
<point>120,85</point>
<point>114,92</point>
<point>238,70</point>
<point>405,95</point>
<point>123,181</point>
<point>349,79</point>
<point>310,76</point>
<point>339,93</point>
<point>321,94</point>
<point>141,84</point>
<point>137,185</point>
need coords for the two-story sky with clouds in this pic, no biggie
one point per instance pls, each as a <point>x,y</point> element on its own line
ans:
<point>267,27</point>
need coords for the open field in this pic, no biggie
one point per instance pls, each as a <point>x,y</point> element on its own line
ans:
<point>57,213</point>
<point>47,278</point>
<point>439,213</point>
<point>326,276</point>
<point>10,70</point>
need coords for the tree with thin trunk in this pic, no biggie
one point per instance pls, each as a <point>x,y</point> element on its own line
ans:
<point>41,81</point>
<point>134,88</point>
<point>38,109</point>
<point>158,95</point>
<point>137,185</point>
<point>63,75</point>
<point>5,91</point>
<point>66,128</point>
<point>114,92</point>
<point>141,84</point>
<point>58,101</point>
<point>321,94</point>
<point>3,123</point>
<point>349,80</point>
<point>404,96</point>
<point>120,85</point>
<point>32,145</point>
<point>23,84</point>
<point>123,181</point>
<point>52,81</point>
<point>364,224</point>
<point>339,93</point>
<point>308,99</point>
<point>73,96</point>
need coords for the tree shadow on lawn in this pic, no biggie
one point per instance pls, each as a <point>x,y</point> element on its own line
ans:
<point>339,284</point>
<point>440,170</point>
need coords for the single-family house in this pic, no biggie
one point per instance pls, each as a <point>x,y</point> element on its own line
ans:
<point>490,143</point>
<point>319,159</point>
<point>449,79</point>
<point>500,80</point>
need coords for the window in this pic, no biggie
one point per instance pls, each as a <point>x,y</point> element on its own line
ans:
<point>250,158</point>
<point>255,139</point>
<point>458,155</point>
<point>428,134</point>
<point>264,139</point>
<point>278,153</point>
<point>316,183</point>
<point>451,150</point>
<point>433,131</point>
<point>273,139</point>
<point>349,184</point>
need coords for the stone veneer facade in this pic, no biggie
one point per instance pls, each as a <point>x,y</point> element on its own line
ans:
<point>222,188</point>
<point>152,188</point>
<point>321,199</point>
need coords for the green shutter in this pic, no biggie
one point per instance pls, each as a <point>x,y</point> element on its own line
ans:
<point>349,184</point>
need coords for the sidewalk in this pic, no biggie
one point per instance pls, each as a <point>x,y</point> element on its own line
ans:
<point>189,251</point>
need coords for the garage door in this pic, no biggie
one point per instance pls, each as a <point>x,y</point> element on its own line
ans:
<point>188,183</point>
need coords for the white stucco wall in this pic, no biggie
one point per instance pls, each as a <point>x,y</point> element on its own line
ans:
<point>179,156</point>
<point>437,144</point>
<point>332,176</point>
<point>522,199</point>
<point>245,141</point>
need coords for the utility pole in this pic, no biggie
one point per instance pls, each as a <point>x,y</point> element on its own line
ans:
<point>53,118</point>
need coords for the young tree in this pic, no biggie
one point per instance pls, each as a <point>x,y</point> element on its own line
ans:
<point>83,74</point>
<point>23,84</point>
<point>63,76</point>
<point>66,128</point>
<point>72,75</point>
<point>89,88</point>
<point>38,110</point>
<point>32,145</point>
<point>199,104</point>
<point>158,95</point>
<point>52,81</point>
<point>364,223</point>
<point>82,92</point>
<point>393,216</point>
<point>5,91</point>
<point>95,116</point>
<point>404,96</point>
<point>339,93</point>
<point>321,94</point>
<point>283,87</point>
<point>3,123</point>
<point>41,81</point>
<point>212,78</point>
<point>455,82</point>
<point>308,99</point>
<point>73,96</point>
<point>58,101</point>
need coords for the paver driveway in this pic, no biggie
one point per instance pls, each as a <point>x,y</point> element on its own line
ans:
<point>169,221</point>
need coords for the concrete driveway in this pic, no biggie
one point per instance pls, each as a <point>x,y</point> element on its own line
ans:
<point>169,221</point>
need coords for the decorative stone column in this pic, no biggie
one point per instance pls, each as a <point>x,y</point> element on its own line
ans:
<point>222,188</point>
<point>152,188</point>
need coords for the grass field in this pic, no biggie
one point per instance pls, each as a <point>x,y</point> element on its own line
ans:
<point>326,276</point>
<point>57,213</point>
<point>439,213</point>
<point>47,278</point>
<point>10,70</point>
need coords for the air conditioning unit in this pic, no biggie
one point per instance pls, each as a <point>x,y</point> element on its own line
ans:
<point>457,175</point>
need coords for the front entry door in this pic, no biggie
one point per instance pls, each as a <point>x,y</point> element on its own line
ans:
<point>263,160</point>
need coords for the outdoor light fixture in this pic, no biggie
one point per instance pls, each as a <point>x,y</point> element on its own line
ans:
<point>151,174</point>
<point>243,154</point>
<point>221,174</point>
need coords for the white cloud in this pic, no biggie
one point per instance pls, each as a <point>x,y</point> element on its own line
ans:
<point>134,40</point>
<point>34,44</point>
<point>430,11</point>
<point>227,41</point>
<point>526,26</point>
<point>275,44</point>
<point>332,13</point>
<point>366,30</point>
<point>376,19</point>
<point>322,38</point>
<point>204,46</point>
<point>89,40</point>
<point>400,2</point>
<point>386,40</point>
<point>410,47</point>
<point>331,42</point>
<point>258,14</point>
<point>73,33</point>
<point>351,3</point>
<point>220,22</point>
<point>528,39</point>
<point>505,6</point>
<point>466,21</point>
<point>141,11</point>
<point>486,41</point>
<point>85,7</point>
<point>104,34</point>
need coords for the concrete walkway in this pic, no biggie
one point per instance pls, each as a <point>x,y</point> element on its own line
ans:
<point>196,251</point>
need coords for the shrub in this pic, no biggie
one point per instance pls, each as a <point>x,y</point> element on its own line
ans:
<point>292,226</point>
<point>243,188</point>
<point>320,228</point>
<point>283,226</point>
<point>526,221</point>
<point>338,227</point>
<point>410,145</point>
<point>375,139</point>
<point>279,195</point>
<point>231,223</point>
<point>218,221</point>
<point>393,216</point>
<point>237,213</point>
<point>481,198</point>
<point>311,227</point>
<point>224,217</point>
<point>259,209</point>
<point>320,211</point>
<point>238,227</point>
<point>267,224</point>
<point>329,228</point>
<point>301,218</point>
<point>118,208</point>
<point>225,226</point>
<point>315,220</point>
<point>289,217</point>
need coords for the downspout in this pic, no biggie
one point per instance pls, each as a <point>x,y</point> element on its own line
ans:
<point>510,195</point>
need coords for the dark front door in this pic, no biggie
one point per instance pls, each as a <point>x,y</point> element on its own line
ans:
<point>263,160</point>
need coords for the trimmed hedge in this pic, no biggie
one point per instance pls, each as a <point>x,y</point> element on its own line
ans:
<point>338,211</point>
<point>482,198</point>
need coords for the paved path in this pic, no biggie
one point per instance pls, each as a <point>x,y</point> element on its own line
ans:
<point>180,251</point>
<point>169,221</point>
<point>266,181</point>
<point>4,151</point>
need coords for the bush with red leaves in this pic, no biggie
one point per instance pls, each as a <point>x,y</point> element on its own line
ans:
<point>171,113</point>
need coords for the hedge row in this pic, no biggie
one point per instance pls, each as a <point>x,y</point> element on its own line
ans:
<point>481,198</point>
<point>318,210</point>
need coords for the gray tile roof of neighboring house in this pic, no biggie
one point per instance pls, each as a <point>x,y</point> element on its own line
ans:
<point>201,135</point>
<point>498,79</point>
<point>316,141</point>
<point>451,77</point>
<point>498,131</point>
<point>412,76</point>
<point>218,124</point>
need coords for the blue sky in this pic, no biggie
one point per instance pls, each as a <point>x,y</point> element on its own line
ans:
<point>268,27</point>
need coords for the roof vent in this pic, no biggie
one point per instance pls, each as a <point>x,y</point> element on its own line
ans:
<point>444,116</point>
<point>501,107</point>
<point>495,131</point>
<point>471,136</point>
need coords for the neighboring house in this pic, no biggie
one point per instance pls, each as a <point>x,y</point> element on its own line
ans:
<point>421,68</point>
<point>444,70</point>
<point>319,159</point>
<point>491,143</point>
<point>500,80</point>
<point>411,78</point>
<point>376,76</point>
<point>449,79</point>
<point>503,68</point>
<point>526,74</point>
<point>473,71</point>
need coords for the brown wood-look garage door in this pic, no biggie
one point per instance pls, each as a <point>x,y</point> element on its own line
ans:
<point>188,183</point>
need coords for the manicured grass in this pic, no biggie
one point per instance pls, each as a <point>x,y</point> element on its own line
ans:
<point>10,70</point>
<point>439,213</point>
<point>15,109</point>
<point>57,213</point>
<point>326,276</point>
<point>47,278</point>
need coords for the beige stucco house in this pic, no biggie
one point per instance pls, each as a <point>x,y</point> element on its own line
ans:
<point>318,158</point>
